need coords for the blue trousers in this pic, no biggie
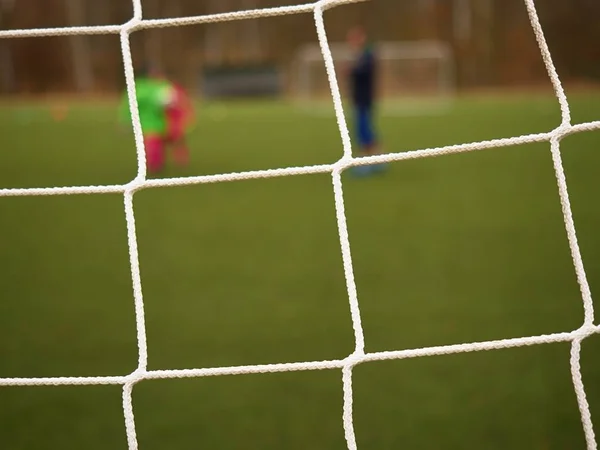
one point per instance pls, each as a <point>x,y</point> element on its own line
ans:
<point>365,131</point>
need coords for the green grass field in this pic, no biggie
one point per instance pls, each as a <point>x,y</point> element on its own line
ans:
<point>446,250</point>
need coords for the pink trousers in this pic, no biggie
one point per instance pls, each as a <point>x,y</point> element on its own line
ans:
<point>155,153</point>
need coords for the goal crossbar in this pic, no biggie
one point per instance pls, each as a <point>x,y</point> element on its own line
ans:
<point>398,55</point>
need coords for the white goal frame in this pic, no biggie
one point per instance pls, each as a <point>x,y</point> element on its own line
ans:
<point>310,55</point>
<point>344,365</point>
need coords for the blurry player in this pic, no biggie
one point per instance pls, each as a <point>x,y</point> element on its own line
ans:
<point>154,96</point>
<point>362,81</point>
<point>180,114</point>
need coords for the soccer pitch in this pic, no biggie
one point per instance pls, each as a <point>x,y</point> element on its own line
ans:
<point>446,250</point>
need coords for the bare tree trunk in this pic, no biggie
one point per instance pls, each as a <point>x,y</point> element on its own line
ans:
<point>462,37</point>
<point>6,57</point>
<point>152,41</point>
<point>178,64</point>
<point>463,19</point>
<point>487,39</point>
<point>252,43</point>
<point>213,41</point>
<point>8,68</point>
<point>80,48</point>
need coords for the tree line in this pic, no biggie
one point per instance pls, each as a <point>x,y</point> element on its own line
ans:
<point>492,40</point>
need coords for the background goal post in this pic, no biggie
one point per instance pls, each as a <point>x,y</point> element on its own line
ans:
<point>414,77</point>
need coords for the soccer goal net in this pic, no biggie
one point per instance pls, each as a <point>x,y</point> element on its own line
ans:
<point>344,365</point>
<point>413,77</point>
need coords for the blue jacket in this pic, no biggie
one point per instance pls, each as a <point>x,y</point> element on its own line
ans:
<point>362,78</point>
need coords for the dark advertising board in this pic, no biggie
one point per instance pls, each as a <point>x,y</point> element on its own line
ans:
<point>241,81</point>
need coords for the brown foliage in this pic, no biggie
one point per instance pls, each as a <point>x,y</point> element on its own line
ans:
<point>501,48</point>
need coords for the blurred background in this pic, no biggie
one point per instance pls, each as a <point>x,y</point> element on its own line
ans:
<point>446,250</point>
<point>490,41</point>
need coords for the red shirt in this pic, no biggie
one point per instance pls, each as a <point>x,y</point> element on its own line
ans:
<point>180,107</point>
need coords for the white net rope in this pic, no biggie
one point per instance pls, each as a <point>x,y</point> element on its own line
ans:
<point>346,161</point>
